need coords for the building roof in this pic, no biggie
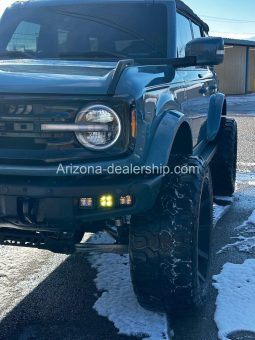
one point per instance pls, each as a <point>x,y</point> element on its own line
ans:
<point>239,42</point>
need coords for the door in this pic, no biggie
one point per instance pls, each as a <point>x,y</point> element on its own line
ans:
<point>200,85</point>
<point>199,81</point>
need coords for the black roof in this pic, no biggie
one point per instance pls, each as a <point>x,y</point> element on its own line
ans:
<point>187,10</point>
<point>181,6</point>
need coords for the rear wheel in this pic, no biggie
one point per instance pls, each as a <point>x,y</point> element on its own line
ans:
<point>223,166</point>
<point>170,245</point>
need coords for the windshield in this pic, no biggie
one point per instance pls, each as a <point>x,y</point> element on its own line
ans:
<point>85,31</point>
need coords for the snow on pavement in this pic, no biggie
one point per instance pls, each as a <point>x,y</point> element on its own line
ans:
<point>235,307</point>
<point>244,243</point>
<point>248,178</point>
<point>118,302</point>
<point>245,167</point>
<point>241,99</point>
<point>243,104</point>
<point>22,270</point>
<point>251,220</point>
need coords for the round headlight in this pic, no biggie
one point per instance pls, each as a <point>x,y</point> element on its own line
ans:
<point>104,127</point>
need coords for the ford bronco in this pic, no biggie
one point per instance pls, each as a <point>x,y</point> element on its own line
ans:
<point>97,100</point>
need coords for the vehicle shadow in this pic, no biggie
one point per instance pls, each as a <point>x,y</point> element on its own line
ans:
<point>61,307</point>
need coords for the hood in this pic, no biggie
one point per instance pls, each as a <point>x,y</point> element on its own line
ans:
<point>55,77</point>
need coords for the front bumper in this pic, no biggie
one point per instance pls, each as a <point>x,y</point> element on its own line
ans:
<point>53,204</point>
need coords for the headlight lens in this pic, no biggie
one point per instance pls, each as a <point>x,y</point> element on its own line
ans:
<point>97,115</point>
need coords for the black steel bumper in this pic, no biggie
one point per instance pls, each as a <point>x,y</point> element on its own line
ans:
<point>47,204</point>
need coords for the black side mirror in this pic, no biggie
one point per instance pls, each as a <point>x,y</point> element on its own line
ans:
<point>207,51</point>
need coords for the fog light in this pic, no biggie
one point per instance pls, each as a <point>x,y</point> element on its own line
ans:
<point>126,200</point>
<point>106,201</point>
<point>86,202</point>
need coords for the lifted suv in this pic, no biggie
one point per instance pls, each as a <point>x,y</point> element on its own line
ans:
<point>111,119</point>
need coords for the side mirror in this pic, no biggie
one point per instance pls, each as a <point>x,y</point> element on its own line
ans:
<point>207,51</point>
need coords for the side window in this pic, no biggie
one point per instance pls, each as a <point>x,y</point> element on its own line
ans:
<point>25,37</point>
<point>184,34</point>
<point>196,30</point>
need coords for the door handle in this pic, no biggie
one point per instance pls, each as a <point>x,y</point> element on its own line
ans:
<point>213,87</point>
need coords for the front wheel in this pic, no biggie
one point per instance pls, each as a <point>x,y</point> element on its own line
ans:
<point>170,245</point>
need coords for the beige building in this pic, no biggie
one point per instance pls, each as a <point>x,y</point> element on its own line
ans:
<point>237,73</point>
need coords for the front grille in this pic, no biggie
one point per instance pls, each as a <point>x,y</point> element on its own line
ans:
<point>20,126</point>
<point>21,138</point>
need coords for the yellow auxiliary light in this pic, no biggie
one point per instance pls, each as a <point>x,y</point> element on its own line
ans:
<point>106,201</point>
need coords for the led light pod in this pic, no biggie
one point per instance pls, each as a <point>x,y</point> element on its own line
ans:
<point>86,202</point>
<point>106,201</point>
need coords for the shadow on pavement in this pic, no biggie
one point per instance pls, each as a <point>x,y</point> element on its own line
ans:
<point>60,308</point>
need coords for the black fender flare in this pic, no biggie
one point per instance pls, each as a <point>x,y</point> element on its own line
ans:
<point>164,137</point>
<point>216,107</point>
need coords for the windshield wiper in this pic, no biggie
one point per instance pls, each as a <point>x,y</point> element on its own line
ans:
<point>92,54</point>
<point>16,55</point>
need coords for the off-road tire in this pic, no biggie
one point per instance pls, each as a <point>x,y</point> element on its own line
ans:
<point>165,242</point>
<point>223,165</point>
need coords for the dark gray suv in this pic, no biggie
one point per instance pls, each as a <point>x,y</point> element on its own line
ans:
<point>111,119</point>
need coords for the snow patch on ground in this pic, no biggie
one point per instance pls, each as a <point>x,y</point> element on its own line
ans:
<point>14,285</point>
<point>244,164</point>
<point>245,244</point>
<point>235,307</point>
<point>247,177</point>
<point>251,220</point>
<point>246,240</point>
<point>243,167</point>
<point>243,104</point>
<point>118,302</point>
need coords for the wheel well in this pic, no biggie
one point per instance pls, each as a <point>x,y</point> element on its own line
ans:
<point>183,141</point>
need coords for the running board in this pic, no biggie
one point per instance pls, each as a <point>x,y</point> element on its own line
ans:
<point>208,152</point>
<point>119,249</point>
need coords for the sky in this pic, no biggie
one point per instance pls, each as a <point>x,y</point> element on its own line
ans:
<point>226,18</point>
<point>4,4</point>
